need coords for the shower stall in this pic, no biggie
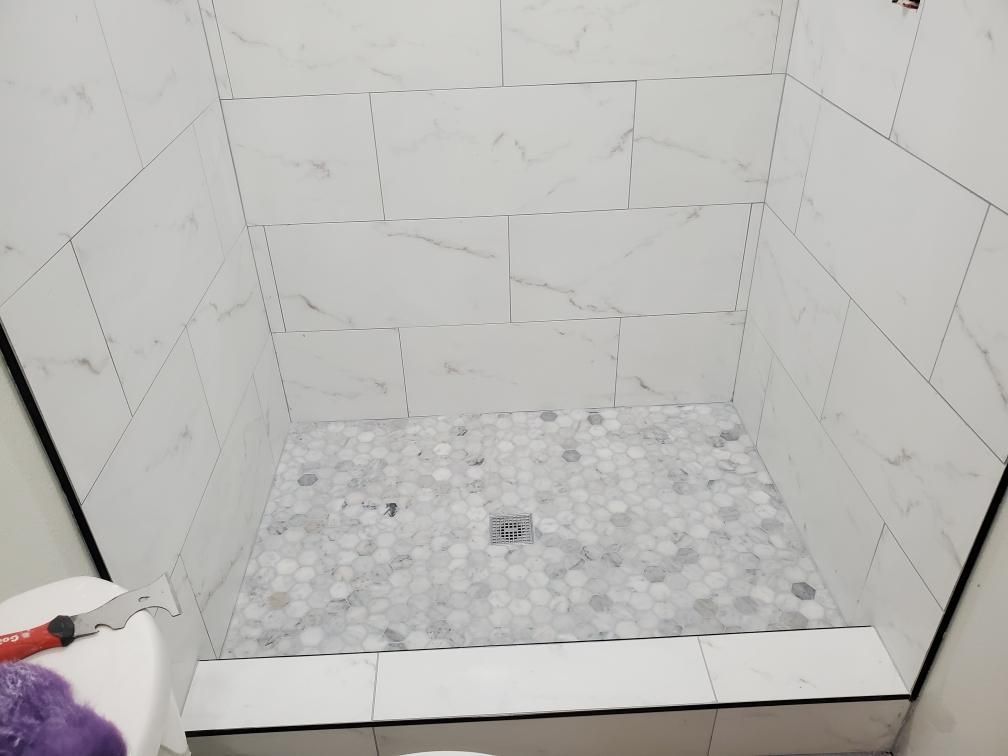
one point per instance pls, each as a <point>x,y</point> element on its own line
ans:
<point>439,348</point>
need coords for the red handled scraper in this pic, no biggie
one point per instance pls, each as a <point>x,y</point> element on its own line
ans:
<point>63,630</point>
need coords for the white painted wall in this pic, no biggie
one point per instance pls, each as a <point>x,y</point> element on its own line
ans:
<point>39,541</point>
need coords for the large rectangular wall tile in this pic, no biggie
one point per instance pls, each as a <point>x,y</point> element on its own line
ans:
<point>220,174</point>
<point>552,677</point>
<point>608,40</point>
<point>307,47</point>
<point>216,47</point>
<point>148,256</point>
<point>285,691</point>
<point>800,664</point>
<point>342,375</point>
<point>626,262</point>
<point>502,368</point>
<point>504,150</point>
<point>351,741</point>
<point>835,516</point>
<point>267,278</point>
<point>66,146</point>
<point>703,141</point>
<point>678,359</point>
<point>223,530</point>
<point>185,635</point>
<point>899,606</point>
<point>160,56</point>
<point>952,113</point>
<point>756,211</point>
<point>143,501</point>
<point>62,350</point>
<point>305,159</point>
<point>228,331</point>
<point>645,734</point>
<point>272,400</point>
<point>792,149</point>
<point>755,362</point>
<point>400,273</point>
<point>972,367</point>
<point>843,727</point>
<point>798,307</point>
<point>930,477</point>
<point>855,53</point>
<point>904,268</point>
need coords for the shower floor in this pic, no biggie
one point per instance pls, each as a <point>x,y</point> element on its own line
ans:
<point>648,521</point>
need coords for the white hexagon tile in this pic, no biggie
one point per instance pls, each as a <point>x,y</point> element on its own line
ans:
<point>647,521</point>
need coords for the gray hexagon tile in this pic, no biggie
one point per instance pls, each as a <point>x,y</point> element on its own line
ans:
<point>647,521</point>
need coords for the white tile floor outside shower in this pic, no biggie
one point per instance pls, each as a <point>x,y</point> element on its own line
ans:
<point>648,521</point>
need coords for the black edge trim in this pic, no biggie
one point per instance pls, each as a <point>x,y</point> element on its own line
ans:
<point>49,446</point>
<point>962,583</point>
<point>543,715</point>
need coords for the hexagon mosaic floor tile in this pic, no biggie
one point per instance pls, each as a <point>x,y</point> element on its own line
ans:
<point>646,521</point>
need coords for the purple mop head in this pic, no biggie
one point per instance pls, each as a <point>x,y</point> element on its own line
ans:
<point>38,717</point>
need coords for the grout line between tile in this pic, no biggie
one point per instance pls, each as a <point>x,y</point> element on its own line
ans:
<point>283,383</point>
<point>510,285</point>
<point>374,690</point>
<point>633,139</point>
<point>619,340</point>
<point>220,37</point>
<point>276,286</point>
<point>402,365</point>
<point>122,97</point>
<point>906,71</point>
<point>703,657</point>
<point>374,141</point>
<point>836,355</point>
<point>500,29</point>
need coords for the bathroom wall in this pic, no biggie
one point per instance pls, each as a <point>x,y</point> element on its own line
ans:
<point>874,366</point>
<point>476,205</point>
<point>129,291</point>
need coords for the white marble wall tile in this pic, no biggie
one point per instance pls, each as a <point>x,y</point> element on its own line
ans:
<point>351,741</point>
<point>282,691</point>
<point>510,367</point>
<point>899,606</point>
<point>267,278</point>
<point>800,664</point>
<point>756,211</point>
<point>798,307</point>
<point>904,268</point>
<point>342,375</point>
<point>305,159</point>
<point>148,256</point>
<point>185,635</point>
<point>646,734</point>
<point>626,262</point>
<point>703,141</point>
<point>62,351</point>
<point>223,531</point>
<point>837,519</point>
<point>161,62</point>
<point>310,47</point>
<point>216,47</point>
<point>837,728</point>
<point>678,359</point>
<point>928,474</point>
<point>972,368</point>
<point>785,33</point>
<point>66,146</point>
<point>792,149</point>
<point>504,150</point>
<point>755,362</point>
<point>609,40</point>
<point>143,501</point>
<point>855,53</point>
<point>552,677</point>
<point>227,332</point>
<point>953,113</point>
<point>220,174</point>
<point>376,275</point>
<point>272,399</point>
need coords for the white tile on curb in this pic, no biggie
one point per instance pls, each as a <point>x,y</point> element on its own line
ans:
<point>800,664</point>
<point>281,691</point>
<point>491,681</point>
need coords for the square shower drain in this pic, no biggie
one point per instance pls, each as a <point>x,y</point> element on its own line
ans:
<point>511,528</point>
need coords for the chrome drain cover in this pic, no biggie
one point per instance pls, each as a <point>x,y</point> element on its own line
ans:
<point>511,528</point>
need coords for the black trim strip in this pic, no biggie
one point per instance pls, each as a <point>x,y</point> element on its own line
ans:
<point>961,584</point>
<point>543,715</point>
<point>35,413</point>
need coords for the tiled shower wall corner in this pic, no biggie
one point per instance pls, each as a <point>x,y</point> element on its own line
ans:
<point>491,205</point>
<point>874,365</point>
<point>129,291</point>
